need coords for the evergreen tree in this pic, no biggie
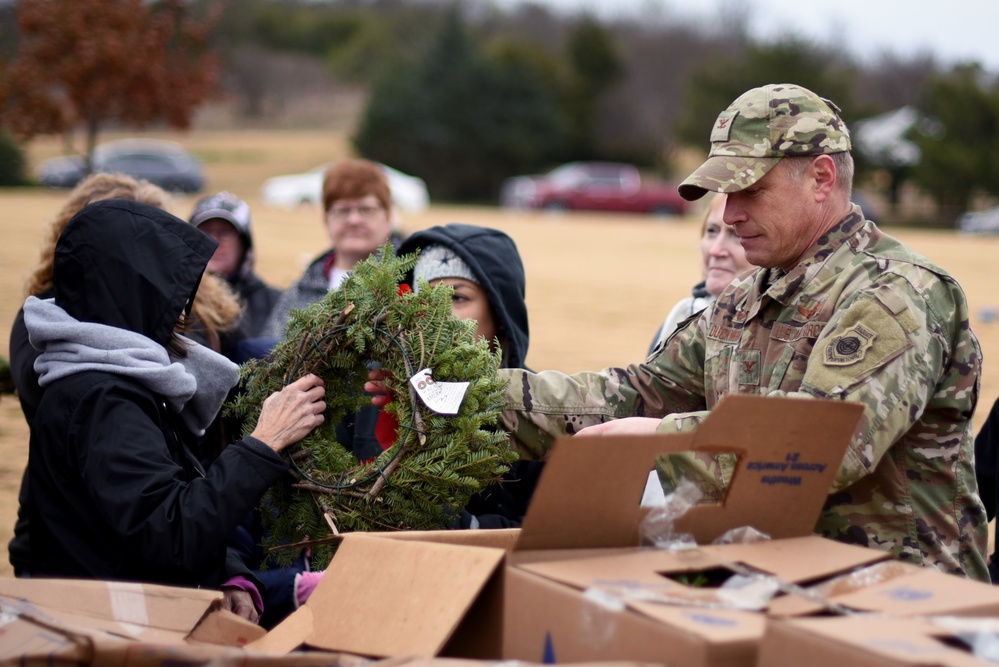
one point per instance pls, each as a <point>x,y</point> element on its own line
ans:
<point>460,120</point>
<point>12,163</point>
<point>960,144</point>
<point>594,66</point>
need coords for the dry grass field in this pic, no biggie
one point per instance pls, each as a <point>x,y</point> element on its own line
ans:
<point>598,285</point>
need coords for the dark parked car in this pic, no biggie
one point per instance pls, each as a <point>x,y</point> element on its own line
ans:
<point>163,163</point>
<point>593,186</point>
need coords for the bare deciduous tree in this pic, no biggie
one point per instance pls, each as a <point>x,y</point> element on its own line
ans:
<point>90,62</point>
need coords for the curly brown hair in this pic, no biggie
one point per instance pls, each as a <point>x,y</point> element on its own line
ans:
<point>215,309</point>
<point>353,179</point>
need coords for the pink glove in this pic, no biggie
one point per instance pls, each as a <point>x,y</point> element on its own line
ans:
<point>305,583</point>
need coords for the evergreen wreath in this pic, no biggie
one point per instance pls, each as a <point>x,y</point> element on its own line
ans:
<point>437,461</point>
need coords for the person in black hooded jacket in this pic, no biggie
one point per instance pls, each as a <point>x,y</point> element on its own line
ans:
<point>116,490</point>
<point>213,315</point>
<point>484,268</point>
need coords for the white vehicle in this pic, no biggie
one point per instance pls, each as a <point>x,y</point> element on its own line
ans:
<point>409,193</point>
<point>979,222</point>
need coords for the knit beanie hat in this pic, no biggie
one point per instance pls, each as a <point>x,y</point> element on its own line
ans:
<point>438,261</point>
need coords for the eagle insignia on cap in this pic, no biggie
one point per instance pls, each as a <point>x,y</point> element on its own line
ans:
<point>722,130</point>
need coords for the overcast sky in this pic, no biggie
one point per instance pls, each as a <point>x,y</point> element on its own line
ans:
<point>958,30</point>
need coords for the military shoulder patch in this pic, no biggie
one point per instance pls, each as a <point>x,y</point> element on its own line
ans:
<point>866,337</point>
<point>850,346</point>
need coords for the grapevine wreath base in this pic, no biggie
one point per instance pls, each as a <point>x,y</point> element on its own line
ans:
<point>437,461</point>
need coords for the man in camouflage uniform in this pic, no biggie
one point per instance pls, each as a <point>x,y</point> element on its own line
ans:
<point>839,310</point>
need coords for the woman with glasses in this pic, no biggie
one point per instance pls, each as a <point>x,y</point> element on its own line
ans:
<point>357,212</point>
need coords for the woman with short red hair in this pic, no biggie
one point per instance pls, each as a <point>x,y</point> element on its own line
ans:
<point>357,212</point>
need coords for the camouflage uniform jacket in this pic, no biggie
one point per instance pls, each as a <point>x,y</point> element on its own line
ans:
<point>861,318</point>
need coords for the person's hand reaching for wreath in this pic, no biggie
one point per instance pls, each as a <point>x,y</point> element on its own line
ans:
<point>289,415</point>
<point>376,386</point>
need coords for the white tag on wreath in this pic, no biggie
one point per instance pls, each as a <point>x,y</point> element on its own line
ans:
<point>444,398</point>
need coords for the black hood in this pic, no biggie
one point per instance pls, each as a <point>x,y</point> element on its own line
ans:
<point>493,258</point>
<point>129,265</point>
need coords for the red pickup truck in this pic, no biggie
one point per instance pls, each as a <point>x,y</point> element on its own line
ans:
<point>592,186</point>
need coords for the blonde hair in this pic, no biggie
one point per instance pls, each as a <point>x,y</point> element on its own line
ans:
<point>215,308</point>
<point>707,212</point>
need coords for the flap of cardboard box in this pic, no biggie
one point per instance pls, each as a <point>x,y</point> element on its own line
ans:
<point>31,634</point>
<point>114,606</point>
<point>895,587</point>
<point>499,538</point>
<point>799,560</point>
<point>656,582</point>
<point>224,628</point>
<point>789,450</point>
<point>795,560</point>
<point>923,591</point>
<point>867,639</point>
<point>388,598</point>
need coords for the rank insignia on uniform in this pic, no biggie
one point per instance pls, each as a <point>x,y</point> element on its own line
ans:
<point>808,308</point>
<point>850,346</point>
<point>749,366</point>
<point>722,129</point>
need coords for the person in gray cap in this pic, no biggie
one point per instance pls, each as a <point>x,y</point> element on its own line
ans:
<point>226,218</point>
<point>838,310</point>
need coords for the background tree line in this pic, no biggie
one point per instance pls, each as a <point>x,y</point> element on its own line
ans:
<point>464,94</point>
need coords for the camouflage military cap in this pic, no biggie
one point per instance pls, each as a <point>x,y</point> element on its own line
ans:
<point>763,125</point>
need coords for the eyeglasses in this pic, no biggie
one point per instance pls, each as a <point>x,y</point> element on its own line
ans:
<point>364,212</point>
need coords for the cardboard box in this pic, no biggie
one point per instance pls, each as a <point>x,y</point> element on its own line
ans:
<point>635,606</point>
<point>78,622</point>
<point>141,612</point>
<point>895,588</point>
<point>459,662</point>
<point>569,604</point>
<point>867,641</point>
<point>789,451</point>
<point>417,595</point>
<point>402,597</point>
